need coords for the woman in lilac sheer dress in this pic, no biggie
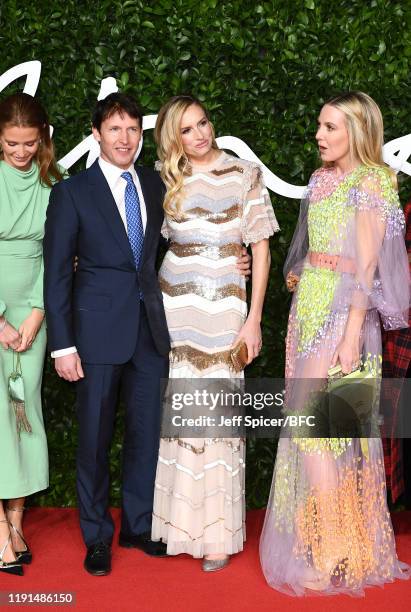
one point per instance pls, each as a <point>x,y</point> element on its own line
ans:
<point>327,528</point>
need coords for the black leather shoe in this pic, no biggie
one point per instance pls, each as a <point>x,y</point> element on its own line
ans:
<point>98,559</point>
<point>144,542</point>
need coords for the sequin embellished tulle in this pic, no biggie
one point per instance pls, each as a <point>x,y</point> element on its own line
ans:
<point>199,491</point>
<point>327,527</point>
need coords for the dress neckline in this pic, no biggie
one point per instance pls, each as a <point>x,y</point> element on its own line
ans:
<point>206,167</point>
<point>340,178</point>
<point>20,180</point>
<point>20,173</point>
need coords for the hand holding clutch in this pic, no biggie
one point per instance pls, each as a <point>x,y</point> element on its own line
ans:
<point>239,356</point>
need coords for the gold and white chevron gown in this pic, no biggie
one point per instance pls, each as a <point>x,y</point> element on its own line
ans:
<point>199,491</point>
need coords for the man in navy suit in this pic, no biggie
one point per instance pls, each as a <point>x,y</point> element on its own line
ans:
<point>106,323</point>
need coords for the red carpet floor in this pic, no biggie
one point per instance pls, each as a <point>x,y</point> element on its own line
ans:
<point>139,582</point>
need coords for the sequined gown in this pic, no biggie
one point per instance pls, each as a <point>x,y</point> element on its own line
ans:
<point>327,525</point>
<point>199,489</point>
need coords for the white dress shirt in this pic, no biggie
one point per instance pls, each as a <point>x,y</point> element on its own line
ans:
<point>117,186</point>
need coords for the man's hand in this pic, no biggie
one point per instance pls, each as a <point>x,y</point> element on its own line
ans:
<point>9,337</point>
<point>29,329</point>
<point>244,263</point>
<point>69,367</point>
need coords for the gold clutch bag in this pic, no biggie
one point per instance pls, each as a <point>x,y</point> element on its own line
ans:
<point>292,281</point>
<point>239,356</point>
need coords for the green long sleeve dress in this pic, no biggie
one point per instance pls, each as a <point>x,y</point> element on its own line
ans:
<point>23,205</point>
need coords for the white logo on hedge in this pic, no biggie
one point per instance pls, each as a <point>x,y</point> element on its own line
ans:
<point>396,152</point>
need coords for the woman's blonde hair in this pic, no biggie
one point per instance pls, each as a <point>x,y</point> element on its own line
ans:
<point>365,128</point>
<point>174,162</point>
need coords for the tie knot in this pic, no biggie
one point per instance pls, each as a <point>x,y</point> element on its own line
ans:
<point>127,176</point>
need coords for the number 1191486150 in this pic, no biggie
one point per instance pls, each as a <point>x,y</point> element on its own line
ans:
<point>36,598</point>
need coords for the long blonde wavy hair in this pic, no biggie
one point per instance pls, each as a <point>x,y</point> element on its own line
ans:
<point>174,162</point>
<point>365,128</point>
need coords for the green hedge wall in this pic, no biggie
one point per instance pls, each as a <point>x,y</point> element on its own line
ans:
<point>263,69</point>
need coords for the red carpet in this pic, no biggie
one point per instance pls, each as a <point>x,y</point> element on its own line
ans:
<point>139,582</point>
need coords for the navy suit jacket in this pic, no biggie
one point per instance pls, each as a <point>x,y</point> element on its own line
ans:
<point>97,307</point>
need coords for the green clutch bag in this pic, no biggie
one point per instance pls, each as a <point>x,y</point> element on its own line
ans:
<point>352,400</point>
<point>16,397</point>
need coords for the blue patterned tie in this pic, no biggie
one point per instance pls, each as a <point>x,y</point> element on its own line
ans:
<point>135,229</point>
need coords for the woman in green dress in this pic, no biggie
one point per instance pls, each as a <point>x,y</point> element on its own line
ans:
<point>27,173</point>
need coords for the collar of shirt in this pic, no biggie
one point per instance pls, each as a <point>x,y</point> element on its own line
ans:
<point>117,186</point>
<point>113,173</point>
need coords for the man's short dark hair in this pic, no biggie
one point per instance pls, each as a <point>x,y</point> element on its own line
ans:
<point>116,103</point>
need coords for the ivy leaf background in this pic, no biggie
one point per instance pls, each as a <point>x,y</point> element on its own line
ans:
<point>263,69</point>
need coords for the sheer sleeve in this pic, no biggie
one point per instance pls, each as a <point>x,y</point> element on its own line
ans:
<point>2,307</point>
<point>382,278</point>
<point>258,220</point>
<point>299,245</point>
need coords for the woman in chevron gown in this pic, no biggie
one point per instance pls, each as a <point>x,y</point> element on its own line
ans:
<point>214,204</point>
<point>327,527</point>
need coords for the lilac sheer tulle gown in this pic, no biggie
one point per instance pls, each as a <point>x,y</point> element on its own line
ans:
<point>327,528</point>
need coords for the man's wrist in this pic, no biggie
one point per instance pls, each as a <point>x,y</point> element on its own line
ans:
<point>3,323</point>
<point>63,352</point>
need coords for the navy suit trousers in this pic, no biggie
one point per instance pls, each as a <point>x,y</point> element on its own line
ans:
<point>97,395</point>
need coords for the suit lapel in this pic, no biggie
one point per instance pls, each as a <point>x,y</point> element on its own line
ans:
<point>149,201</point>
<point>103,198</point>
